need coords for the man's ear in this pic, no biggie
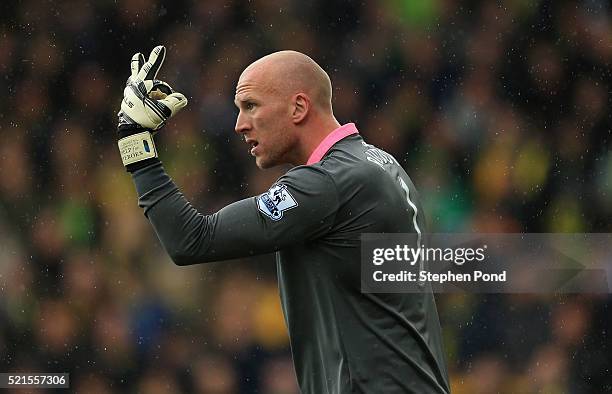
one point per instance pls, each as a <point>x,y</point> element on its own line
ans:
<point>301,107</point>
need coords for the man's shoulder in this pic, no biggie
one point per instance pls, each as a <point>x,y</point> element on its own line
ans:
<point>361,162</point>
<point>333,172</point>
<point>308,176</point>
<point>349,161</point>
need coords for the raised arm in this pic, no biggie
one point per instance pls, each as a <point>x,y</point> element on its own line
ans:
<point>298,208</point>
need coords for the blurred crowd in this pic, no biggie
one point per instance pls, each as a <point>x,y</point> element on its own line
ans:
<point>499,111</point>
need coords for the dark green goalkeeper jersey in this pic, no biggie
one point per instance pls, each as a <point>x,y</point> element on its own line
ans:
<point>343,340</point>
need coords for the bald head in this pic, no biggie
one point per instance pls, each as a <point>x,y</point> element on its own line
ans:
<point>285,111</point>
<point>291,72</point>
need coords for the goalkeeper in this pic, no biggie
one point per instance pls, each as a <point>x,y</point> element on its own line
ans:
<point>343,341</point>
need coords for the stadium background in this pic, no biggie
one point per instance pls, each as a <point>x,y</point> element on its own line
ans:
<point>500,113</point>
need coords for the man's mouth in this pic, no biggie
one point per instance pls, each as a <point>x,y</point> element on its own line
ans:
<point>253,144</point>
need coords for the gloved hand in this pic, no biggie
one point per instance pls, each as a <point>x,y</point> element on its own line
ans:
<point>147,105</point>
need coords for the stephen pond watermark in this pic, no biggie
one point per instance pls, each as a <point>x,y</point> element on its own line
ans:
<point>486,263</point>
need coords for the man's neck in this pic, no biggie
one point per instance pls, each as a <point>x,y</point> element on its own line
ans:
<point>313,137</point>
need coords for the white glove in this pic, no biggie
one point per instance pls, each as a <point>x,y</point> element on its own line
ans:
<point>146,106</point>
<point>139,105</point>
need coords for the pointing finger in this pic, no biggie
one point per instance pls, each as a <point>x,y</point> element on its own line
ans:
<point>150,69</point>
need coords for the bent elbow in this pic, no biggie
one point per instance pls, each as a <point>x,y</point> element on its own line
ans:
<point>180,258</point>
<point>183,257</point>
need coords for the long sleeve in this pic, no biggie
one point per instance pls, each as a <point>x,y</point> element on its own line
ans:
<point>299,207</point>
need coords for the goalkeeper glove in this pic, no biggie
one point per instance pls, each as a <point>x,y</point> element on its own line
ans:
<point>147,104</point>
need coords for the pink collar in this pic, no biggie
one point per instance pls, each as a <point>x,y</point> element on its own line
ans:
<point>329,141</point>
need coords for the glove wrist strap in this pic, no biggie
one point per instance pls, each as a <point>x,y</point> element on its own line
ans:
<point>137,147</point>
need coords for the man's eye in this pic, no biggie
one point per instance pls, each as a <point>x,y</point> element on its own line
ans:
<point>250,106</point>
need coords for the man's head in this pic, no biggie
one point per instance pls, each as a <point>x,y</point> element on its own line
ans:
<point>282,98</point>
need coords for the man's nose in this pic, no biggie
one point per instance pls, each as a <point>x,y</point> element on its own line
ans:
<point>242,124</point>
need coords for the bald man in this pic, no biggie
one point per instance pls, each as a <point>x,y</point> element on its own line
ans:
<point>343,341</point>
